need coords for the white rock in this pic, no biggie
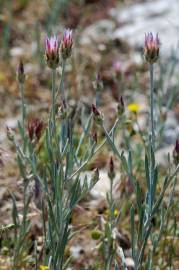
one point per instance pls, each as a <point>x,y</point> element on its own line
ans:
<point>157,16</point>
<point>129,262</point>
<point>75,251</point>
<point>101,187</point>
<point>162,155</point>
<point>98,32</point>
<point>17,52</point>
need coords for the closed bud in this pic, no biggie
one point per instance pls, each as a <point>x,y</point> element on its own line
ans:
<point>111,172</point>
<point>94,136</point>
<point>97,115</point>
<point>35,128</point>
<point>95,176</point>
<point>96,234</point>
<point>176,153</point>
<point>20,72</point>
<point>120,107</point>
<point>151,48</point>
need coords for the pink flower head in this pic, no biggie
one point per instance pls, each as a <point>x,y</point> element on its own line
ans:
<point>152,46</point>
<point>52,51</point>
<point>67,43</point>
<point>51,45</point>
<point>67,37</point>
<point>151,41</point>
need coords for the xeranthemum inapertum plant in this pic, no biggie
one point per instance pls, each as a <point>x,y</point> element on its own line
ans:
<point>59,182</point>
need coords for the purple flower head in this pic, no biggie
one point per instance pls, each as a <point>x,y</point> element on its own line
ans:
<point>152,47</point>
<point>52,51</point>
<point>67,37</point>
<point>151,41</point>
<point>67,43</point>
<point>51,45</point>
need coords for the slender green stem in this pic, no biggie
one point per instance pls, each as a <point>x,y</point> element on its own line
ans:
<point>111,204</point>
<point>53,99</point>
<point>152,134</point>
<point>152,106</point>
<point>83,134</point>
<point>64,122</point>
<point>21,87</point>
<point>95,151</point>
<point>23,109</point>
<point>62,90</point>
<point>98,96</point>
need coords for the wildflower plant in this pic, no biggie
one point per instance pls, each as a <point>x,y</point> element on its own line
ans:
<point>58,183</point>
<point>147,205</point>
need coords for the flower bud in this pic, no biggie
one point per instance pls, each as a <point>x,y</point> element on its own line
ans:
<point>111,172</point>
<point>97,115</point>
<point>120,107</point>
<point>52,51</point>
<point>94,136</point>
<point>66,44</point>
<point>96,234</point>
<point>98,83</point>
<point>35,128</point>
<point>151,48</point>
<point>95,176</point>
<point>176,153</point>
<point>20,73</point>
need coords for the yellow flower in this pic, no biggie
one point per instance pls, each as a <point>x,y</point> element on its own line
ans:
<point>43,267</point>
<point>134,107</point>
<point>116,212</point>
